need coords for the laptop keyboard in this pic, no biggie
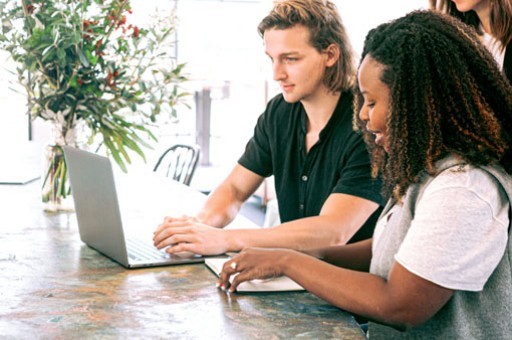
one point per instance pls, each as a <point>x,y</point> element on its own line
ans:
<point>139,250</point>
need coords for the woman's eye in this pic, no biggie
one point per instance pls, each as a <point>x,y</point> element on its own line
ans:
<point>370,104</point>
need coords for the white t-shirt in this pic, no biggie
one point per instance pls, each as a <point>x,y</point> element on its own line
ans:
<point>495,47</point>
<point>459,232</point>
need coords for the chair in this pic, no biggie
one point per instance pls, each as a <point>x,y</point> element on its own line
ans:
<point>179,162</point>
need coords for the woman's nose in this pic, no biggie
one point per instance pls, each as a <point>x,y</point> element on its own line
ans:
<point>363,114</point>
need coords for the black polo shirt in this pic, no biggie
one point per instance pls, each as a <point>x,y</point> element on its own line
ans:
<point>337,163</point>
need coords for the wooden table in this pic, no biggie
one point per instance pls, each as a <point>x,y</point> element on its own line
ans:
<point>54,286</point>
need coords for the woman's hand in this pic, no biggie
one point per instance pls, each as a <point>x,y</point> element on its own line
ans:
<point>251,264</point>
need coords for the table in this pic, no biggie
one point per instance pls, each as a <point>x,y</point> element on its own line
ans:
<point>54,286</point>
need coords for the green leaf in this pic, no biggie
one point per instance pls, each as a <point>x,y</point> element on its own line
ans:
<point>114,152</point>
<point>83,58</point>
<point>61,55</point>
<point>65,64</point>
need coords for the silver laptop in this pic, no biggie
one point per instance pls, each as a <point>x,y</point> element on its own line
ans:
<point>99,215</point>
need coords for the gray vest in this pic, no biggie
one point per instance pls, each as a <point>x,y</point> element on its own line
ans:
<point>467,315</point>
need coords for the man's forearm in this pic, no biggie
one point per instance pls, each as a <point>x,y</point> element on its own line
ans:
<point>218,211</point>
<point>306,233</point>
<point>223,204</point>
<point>341,217</point>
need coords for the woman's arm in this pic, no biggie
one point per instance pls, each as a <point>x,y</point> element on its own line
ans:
<point>355,256</point>
<point>402,300</point>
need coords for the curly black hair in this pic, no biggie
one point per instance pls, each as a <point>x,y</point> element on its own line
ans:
<point>447,96</point>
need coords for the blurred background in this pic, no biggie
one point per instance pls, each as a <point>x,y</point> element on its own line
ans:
<point>230,81</point>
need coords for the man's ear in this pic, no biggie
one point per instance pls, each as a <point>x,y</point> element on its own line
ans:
<point>332,53</point>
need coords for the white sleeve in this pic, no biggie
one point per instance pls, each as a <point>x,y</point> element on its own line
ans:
<point>459,232</point>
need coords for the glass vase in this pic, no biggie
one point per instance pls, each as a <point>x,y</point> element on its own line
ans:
<point>56,190</point>
<point>56,187</point>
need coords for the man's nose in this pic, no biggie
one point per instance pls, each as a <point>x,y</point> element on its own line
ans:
<point>279,73</point>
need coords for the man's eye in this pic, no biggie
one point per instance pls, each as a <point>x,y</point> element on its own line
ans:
<point>290,59</point>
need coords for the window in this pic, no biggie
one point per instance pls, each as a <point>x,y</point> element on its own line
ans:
<point>224,53</point>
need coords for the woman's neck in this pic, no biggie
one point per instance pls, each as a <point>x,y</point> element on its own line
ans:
<point>483,11</point>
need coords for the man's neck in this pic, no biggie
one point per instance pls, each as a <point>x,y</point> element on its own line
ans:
<point>320,109</point>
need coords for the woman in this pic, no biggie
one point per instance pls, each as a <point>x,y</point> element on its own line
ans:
<point>437,115</point>
<point>492,19</point>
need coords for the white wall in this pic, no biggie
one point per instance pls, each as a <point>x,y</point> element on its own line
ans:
<point>219,42</point>
<point>13,110</point>
<point>362,15</point>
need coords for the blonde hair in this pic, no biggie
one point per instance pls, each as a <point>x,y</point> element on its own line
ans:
<point>324,23</point>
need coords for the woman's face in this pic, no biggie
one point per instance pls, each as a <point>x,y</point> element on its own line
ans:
<point>471,5</point>
<point>374,111</point>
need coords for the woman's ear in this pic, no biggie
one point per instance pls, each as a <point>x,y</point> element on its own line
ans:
<point>332,53</point>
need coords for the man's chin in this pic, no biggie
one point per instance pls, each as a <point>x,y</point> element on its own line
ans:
<point>290,99</point>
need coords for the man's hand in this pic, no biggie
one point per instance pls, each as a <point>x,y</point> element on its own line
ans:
<point>187,234</point>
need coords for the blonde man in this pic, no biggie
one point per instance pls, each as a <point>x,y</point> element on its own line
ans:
<point>304,138</point>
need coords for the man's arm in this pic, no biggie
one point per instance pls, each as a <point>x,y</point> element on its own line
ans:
<point>341,216</point>
<point>225,201</point>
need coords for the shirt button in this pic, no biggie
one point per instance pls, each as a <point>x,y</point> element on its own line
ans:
<point>304,178</point>
<point>301,206</point>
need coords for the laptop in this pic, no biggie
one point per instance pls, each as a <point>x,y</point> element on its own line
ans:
<point>99,216</point>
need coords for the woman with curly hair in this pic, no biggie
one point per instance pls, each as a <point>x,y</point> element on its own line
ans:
<point>437,117</point>
<point>493,21</point>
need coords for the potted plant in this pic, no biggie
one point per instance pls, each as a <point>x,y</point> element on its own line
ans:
<point>82,63</point>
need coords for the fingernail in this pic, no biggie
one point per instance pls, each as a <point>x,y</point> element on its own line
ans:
<point>217,285</point>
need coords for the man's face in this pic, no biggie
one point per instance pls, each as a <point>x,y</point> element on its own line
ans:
<point>297,66</point>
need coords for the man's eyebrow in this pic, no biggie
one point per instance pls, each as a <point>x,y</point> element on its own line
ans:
<point>285,54</point>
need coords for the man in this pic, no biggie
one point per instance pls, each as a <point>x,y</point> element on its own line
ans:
<point>304,138</point>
